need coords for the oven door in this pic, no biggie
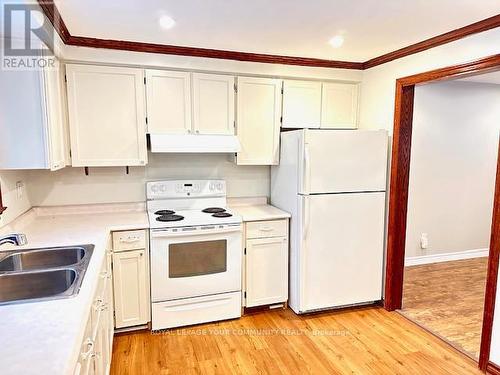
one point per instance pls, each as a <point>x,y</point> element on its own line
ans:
<point>195,262</point>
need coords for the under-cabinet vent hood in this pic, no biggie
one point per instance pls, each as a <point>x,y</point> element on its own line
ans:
<point>194,143</point>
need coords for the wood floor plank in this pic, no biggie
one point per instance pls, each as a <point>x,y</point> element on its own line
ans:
<point>448,299</point>
<point>360,341</point>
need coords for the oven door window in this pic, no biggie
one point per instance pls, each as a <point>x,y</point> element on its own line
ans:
<point>197,258</point>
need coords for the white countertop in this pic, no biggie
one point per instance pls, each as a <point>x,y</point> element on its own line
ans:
<point>257,211</point>
<point>45,337</point>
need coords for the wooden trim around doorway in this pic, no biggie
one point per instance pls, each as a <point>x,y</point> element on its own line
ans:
<point>398,198</point>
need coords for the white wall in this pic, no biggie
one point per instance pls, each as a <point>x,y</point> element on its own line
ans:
<point>454,153</point>
<point>103,185</point>
<point>15,206</point>
<point>379,83</point>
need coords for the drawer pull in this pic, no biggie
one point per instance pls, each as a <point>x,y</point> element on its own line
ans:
<point>130,240</point>
<point>266,229</point>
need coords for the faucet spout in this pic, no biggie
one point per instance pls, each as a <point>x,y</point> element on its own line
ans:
<point>17,239</point>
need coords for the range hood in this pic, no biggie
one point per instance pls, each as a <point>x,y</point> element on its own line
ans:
<point>194,143</point>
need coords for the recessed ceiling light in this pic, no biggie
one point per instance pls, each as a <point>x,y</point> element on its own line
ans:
<point>336,41</point>
<point>166,22</point>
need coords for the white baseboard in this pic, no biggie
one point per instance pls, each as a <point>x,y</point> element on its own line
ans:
<point>437,258</point>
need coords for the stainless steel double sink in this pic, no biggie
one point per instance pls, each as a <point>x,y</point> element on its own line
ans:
<point>42,274</point>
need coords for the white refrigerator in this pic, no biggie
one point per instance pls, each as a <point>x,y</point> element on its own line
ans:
<point>333,183</point>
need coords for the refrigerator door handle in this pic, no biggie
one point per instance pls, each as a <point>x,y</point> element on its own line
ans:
<point>307,169</point>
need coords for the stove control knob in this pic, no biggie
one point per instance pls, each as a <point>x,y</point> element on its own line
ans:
<point>154,188</point>
<point>163,188</point>
<point>219,186</point>
<point>212,186</point>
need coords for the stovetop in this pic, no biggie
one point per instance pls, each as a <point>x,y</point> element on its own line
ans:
<point>180,203</point>
<point>194,217</point>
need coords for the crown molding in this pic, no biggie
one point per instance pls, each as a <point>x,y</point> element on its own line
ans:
<point>462,32</point>
<point>52,13</point>
<point>209,53</point>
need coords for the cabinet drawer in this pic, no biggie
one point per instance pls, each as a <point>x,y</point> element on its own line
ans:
<point>129,240</point>
<point>263,229</point>
<point>196,310</point>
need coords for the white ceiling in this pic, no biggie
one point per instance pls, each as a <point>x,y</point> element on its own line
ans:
<point>492,77</point>
<point>281,27</point>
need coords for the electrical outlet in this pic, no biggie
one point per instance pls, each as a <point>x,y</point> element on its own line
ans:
<point>424,241</point>
<point>19,189</point>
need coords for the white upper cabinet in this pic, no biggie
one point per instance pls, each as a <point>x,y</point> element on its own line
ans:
<point>106,115</point>
<point>33,129</point>
<point>339,105</point>
<point>258,125</point>
<point>168,102</point>
<point>301,104</point>
<point>213,104</point>
<point>55,118</point>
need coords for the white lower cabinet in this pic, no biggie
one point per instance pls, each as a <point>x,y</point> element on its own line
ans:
<point>85,365</point>
<point>266,263</point>
<point>97,344</point>
<point>131,280</point>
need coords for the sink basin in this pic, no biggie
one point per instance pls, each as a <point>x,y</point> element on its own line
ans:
<point>36,285</point>
<point>42,274</point>
<point>42,258</point>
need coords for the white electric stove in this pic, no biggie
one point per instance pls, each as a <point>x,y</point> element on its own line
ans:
<point>196,253</point>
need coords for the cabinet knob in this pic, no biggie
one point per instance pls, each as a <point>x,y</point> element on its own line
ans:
<point>197,132</point>
<point>90,348</point>
<point>189,131</point>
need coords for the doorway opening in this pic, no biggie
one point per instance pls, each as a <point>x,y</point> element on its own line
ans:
<point>399,193</point>
<point>456,127</point>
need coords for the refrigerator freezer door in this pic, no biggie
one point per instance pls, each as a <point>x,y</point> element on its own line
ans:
<point>339,161</point>
<point>341,252</point>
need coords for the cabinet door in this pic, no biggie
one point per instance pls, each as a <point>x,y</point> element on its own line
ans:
<point>110,326</point>
<point>106,115</point>
<point>339,106</point>
<point>266,271</point>
<point>168,102</point>
<point>99,339</point>
<point>301,104</point>
<point>56,130</point>
<point>130,288</point>
<point>259,110</point>
<point>85,364</point>
<point>32,123</point>
<point>213,104</point>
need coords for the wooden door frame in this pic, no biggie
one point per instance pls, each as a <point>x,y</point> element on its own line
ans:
<point>398,197</point>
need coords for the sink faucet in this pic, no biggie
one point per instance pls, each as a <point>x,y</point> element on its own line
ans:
<point>17,239</point>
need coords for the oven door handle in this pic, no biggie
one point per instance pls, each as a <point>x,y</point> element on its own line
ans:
<point>158,233</point>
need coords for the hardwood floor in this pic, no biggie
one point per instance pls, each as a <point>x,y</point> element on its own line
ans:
<point>448,299</point>
<point>360,341</point>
